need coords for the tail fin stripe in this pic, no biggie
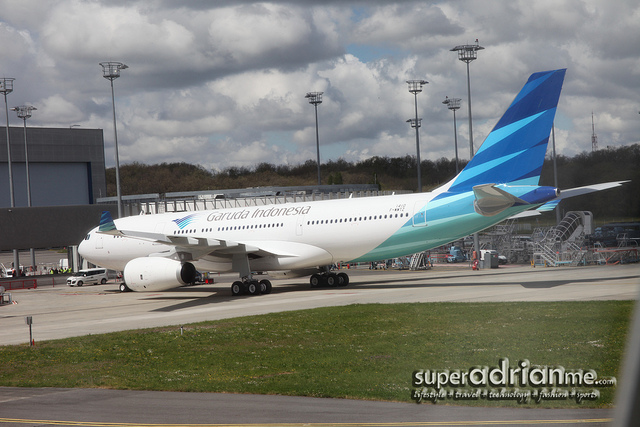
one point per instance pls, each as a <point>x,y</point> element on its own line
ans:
<point>535,132</point>
<point>514,150</point>
<point>540,93</point>
<point>532,84</point>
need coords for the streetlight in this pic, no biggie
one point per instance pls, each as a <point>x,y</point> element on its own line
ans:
<point>315,98</point>
<point>453,104</point>
<point>111,71</point>
<point>468,53</point>
<point>415,124</point>
<point>415,87</point>
<point>24,112</point>
<point>6,87</point>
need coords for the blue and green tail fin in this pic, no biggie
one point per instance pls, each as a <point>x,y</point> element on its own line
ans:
<point>514,151</point>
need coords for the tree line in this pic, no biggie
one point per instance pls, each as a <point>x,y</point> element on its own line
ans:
<point>397,173</point>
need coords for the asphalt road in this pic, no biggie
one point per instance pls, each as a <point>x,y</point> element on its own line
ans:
<point>95,407</point>
<point>59,311</point>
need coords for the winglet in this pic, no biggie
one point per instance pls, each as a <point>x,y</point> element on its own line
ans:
<point>106,224</point>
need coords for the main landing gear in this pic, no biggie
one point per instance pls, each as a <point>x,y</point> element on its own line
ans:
<point>329,279</point>
<point>247,285</point>
<point>250,287</point>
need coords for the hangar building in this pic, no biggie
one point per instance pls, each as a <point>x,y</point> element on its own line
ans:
<point>66,166</point>
<point>67,174</point>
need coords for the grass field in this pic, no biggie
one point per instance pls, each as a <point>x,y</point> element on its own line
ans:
<point>357,351</point>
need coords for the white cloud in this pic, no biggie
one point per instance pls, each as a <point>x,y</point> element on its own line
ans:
<point>222,84</point>
<point>56,110</point>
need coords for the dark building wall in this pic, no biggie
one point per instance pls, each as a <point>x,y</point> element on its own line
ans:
<point>48,227</point>
<point>66,166</point>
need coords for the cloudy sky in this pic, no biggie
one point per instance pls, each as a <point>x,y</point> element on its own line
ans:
<point>223,83</point>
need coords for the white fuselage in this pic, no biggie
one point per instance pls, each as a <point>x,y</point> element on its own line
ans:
<point>289,236</point>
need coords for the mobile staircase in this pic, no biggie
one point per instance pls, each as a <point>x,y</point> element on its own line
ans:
<point>505,239</point>
<point>420,261</point>
<point>564,243</point>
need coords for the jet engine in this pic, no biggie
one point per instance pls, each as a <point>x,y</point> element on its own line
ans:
<point>157,274</point>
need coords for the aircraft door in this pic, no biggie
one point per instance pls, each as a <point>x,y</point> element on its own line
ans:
<point>420,214</point>
<point>299,225</point>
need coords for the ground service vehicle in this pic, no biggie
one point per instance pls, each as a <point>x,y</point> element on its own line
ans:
<point>91,276</point>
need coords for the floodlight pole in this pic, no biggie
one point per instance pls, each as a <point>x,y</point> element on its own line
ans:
<point>415,87</point>
<point>6,87</point>
<point>555,170</point>
<point>468,53</point>
<point>111,71</point>
<point>454,104</point>
<point>315,98</point>
<point>24,112</point>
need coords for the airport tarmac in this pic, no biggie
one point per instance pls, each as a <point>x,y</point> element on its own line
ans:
<point>59,311</point>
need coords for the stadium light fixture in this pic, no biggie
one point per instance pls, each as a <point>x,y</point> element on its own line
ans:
<point>111,71</point>
<point>468,53</point>
<point>415,87</point>
<point>315,98</point>
<point>453,104</point>
<point>24,112</point>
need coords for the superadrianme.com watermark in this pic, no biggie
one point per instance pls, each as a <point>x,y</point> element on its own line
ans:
<point>523,383</point>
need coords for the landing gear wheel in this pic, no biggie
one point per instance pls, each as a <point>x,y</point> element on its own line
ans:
<point>236,288</point>
<point>315,280</point>
<point>343,279</point>
<point>123,287</point>
<point>253,288</point>
<point>332,280</point>
<point>265,286</point>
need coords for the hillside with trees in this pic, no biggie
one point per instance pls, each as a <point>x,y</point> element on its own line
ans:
<point>398,173</point>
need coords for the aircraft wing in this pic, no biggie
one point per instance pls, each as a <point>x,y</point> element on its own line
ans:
<point>194,245</point>
<point>565,194</point>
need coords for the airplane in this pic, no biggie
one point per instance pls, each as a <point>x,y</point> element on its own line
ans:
<point>164,251</point>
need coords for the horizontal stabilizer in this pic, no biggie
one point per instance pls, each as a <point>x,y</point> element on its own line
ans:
<point>491,200</point>
<point>565,194</point>
<point>549,206</point>
<point>579,191</point>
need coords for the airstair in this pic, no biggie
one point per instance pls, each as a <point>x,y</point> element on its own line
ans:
<point>564,243</point>
<point>420,261</point>
<point>503,238</point>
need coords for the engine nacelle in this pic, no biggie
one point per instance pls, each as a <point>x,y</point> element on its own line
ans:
<point>157,274</point>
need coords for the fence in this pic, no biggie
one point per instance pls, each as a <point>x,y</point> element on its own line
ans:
<point>20,284</point>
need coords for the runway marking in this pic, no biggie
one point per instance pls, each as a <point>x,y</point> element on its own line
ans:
<point>389,424</point>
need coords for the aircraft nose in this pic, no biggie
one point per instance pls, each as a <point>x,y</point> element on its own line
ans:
<point>83,246</point>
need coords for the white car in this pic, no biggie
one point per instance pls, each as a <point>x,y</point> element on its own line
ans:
<point>92,276</point>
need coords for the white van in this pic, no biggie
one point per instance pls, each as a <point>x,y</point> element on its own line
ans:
<point>94,275</point>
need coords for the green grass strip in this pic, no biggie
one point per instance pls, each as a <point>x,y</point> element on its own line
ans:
<point>358,351</point>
